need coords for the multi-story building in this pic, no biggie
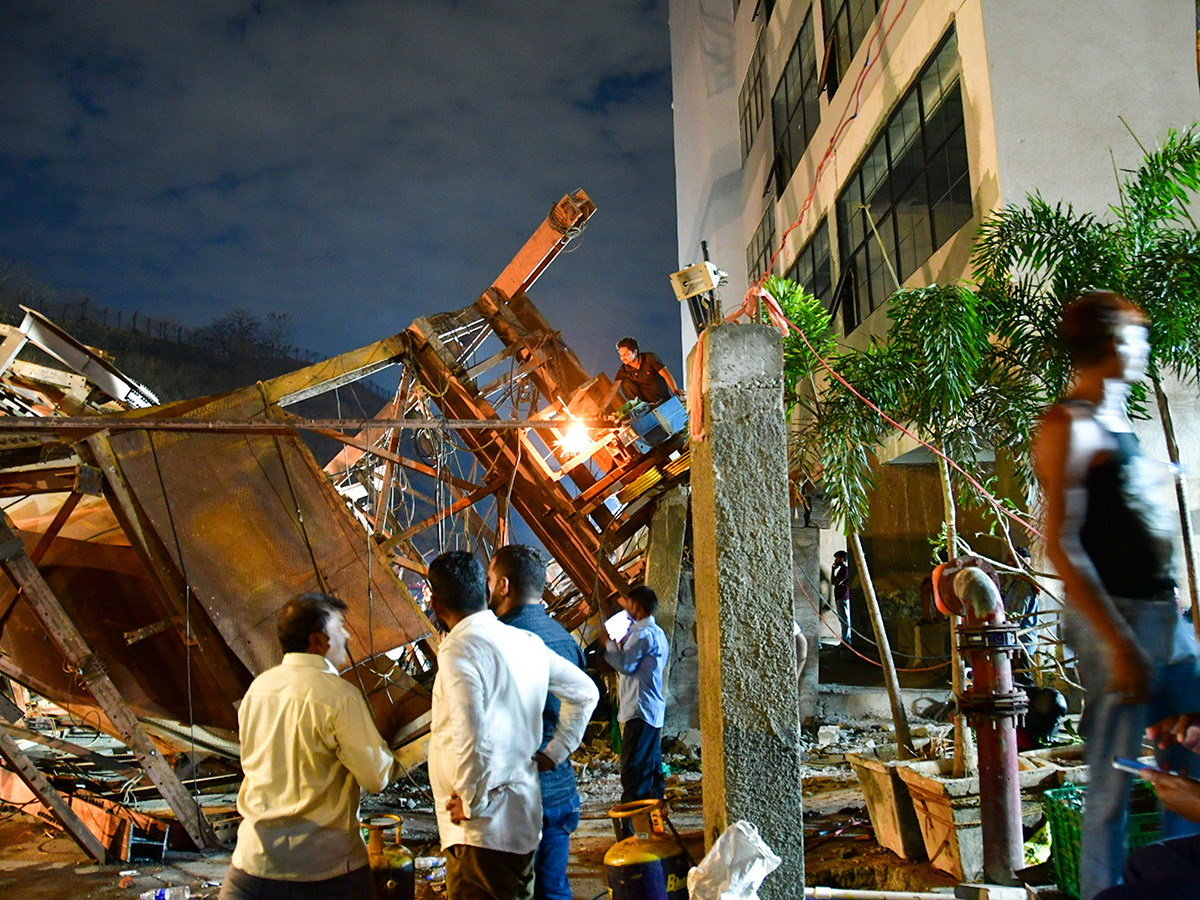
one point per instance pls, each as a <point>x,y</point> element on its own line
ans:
<point>890,128</point>
<point>877,135</point>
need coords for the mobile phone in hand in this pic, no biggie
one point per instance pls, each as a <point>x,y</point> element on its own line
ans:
<point>1136,767</point>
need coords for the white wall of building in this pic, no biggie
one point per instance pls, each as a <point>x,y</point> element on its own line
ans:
<point>1065,74</point>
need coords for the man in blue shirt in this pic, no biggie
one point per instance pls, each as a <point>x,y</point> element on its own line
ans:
<point>640,659</point>
<point>516,578</point>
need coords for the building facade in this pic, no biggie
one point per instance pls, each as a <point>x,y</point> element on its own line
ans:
<point>887,129</point>
<point>878,134</point>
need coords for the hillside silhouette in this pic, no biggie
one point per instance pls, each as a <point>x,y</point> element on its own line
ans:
<point>177,363</point>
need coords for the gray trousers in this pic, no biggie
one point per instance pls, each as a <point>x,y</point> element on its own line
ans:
<point>356,885</point>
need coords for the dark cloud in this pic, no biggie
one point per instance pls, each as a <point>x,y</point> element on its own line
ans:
<point>353,163</point>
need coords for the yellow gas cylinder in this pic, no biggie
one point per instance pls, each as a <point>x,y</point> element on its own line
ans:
<point>650,865</point>
<point>391,864</point>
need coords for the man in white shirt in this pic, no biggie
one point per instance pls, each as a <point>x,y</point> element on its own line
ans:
<point>640,658</point>
<point>488,698</point>
<point>309,746</point>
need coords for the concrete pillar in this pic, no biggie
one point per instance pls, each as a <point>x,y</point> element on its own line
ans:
<point>806,568</point>
<point>664,559</point>
<point>743,555</point>
<point>683,688</point>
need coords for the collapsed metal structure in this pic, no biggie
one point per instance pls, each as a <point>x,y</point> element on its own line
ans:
<point>148,547</point>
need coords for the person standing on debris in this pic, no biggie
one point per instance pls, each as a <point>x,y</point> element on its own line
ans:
<point>1110,538</point>
<point>516,578</point>
<point>642,376</point>
<point>309,746</point>
<point>640,659</point>
<point>839,578</point>
<point>491,689</point>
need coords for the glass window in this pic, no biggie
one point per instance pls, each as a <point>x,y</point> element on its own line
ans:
<point>812,269</point>
<point>762,245</point>
<point>752,99</point>
<point>909,195</point>
<point>849,22</point>
<point>795,109</point>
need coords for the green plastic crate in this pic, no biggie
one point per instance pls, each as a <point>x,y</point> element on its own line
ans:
<point>1064,811</point>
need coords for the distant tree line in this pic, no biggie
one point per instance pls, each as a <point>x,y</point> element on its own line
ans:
<point>236,335</point>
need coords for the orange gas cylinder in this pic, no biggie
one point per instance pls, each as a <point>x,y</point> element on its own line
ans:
<point>391,863</point>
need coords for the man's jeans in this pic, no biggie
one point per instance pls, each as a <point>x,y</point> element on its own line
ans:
<point>550,865</point>
<point>641,761</point>
<point>1116,729</point>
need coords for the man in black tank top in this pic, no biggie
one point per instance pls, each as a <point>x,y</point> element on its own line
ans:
<point>1111,544</point>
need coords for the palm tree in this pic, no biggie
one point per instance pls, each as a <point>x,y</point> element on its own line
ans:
<point>835,444</point>
<point>949,385</point>
<point>1031,260</point>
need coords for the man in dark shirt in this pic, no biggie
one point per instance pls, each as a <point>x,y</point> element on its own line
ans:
<point>516,578</point>
<point>642,376</point>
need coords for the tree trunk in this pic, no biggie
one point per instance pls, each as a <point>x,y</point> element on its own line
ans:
<point>1181,497</point>
<point>904,744</point>
<point>966,762</point>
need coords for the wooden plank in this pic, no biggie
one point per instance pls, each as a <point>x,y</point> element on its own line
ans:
<point>67,637</point>
<point>332,373</point>
<point>51,798</point>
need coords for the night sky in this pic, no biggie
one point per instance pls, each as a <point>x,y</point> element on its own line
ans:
<point>354,164</point>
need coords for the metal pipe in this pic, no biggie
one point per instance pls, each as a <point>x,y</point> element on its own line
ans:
<point>833,893</point>
<point>992,704</point>
<point>121,423</point>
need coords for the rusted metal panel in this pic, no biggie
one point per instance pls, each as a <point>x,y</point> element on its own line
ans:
<point>259,526</point>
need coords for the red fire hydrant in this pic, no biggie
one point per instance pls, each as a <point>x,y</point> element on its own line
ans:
<point>968,588</point>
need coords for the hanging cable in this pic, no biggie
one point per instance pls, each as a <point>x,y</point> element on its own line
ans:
<point>187,616</point>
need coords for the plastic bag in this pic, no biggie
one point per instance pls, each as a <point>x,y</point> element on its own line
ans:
<point>734,867</point>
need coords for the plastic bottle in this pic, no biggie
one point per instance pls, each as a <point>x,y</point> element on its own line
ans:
<point>168,893</point>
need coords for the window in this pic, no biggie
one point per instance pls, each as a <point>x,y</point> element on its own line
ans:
<point>910,193</point>
<point>795,109</point>
<point>812,270</point>
<point>846,25</point>
<point>752,99</point>
<point>762,245</point>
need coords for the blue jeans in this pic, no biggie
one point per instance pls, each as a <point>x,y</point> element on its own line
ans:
<point>1160,871</point>
<point>550,865</point>
<point>1117,729</point>
<point>641,761</point>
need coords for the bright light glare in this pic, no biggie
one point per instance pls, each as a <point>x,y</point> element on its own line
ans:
<point>576,440</point>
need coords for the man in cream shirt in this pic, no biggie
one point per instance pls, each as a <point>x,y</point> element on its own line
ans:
<point>309,746</point>
<point>484,760</point>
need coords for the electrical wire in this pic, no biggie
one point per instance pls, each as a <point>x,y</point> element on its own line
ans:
<point>187,618</point>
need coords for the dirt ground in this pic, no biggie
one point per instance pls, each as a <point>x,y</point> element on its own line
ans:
<point>39,862</point>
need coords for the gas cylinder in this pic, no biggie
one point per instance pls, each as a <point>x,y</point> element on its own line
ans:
<point>650,865</point>
<point>391,863</point>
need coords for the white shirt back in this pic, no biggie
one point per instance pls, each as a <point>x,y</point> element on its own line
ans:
<point>488,698</point>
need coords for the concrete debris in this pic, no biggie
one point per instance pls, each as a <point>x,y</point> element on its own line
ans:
<point>827,735</point>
